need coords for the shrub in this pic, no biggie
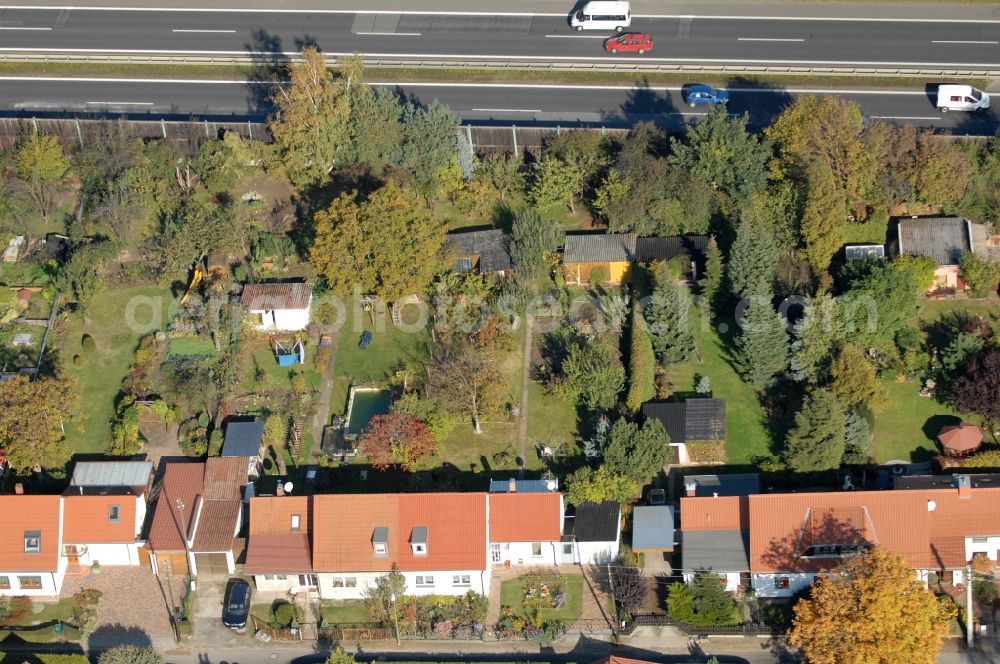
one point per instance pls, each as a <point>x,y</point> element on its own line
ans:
<point>598,276</point>
<point>77,361</point>
<point>642,363</point>
<point>130,655</point>
<point>88,597</point>
<point>4,609</point>
<point>20,608</point>
<point>88,344</point>
<point>442,628</point>
<point>708,451</point>
<point>286,614</point>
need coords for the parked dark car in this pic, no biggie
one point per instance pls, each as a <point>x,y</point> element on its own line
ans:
<point>703,94</point>
<point>236,604</point>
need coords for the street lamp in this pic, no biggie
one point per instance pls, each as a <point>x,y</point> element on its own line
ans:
<point>395,616</point>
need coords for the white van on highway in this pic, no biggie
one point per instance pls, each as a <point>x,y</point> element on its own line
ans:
<point>961,98</point>
<point>602,15</point>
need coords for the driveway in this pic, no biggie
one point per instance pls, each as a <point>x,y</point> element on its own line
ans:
<point>206,627</point>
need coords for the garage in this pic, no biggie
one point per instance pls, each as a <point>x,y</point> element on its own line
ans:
<point>171,564</point>
<point>211,563</point>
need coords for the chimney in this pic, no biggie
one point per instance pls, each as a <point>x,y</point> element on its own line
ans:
<point>512,485</point>
<point>964,483</point>
<point>19,489</point>
<point>691,488</point>
<point>81,489</point>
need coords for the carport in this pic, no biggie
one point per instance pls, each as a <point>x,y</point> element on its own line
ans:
<point>653,529</point>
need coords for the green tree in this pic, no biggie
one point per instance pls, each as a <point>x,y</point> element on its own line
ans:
<point>715,272</point>
<point>637,452</point>
<point>871,609</point>
<point>533,240</point>
<point>556,182</point>
<point>703,603</point>
<point>466,379</point>
<point>40,165</point>
<point>981,275</point>
<point>823,219</point>
<point>670,324</point>
<point>386,245</point>
<point>125,440</point>
<point>855,382</point>
<point>857,436</point>
<point>310,122</point>
<point>641,362</point>
<point>375,124</point>
<point>816,441</point>
<point>31,421</point>
<point>504,173</point>
<point>82,276</point>
<point>591,373</point>
<point>586,485</point>
<point>383,598</point>
<point>752,261</point>
<point>339,656</point>
<point>276,432</point>
<point>882,298</point>
<point>130,655</point>
<point>721,152</point>
<point>816,334</point>
<point>761,351</point>
<point>430,140</point>
<point>202,226</point>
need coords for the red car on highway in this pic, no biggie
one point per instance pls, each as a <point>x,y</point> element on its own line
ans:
<point>630,42</point>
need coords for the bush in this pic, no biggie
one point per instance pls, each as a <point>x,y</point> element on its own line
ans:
<point>707,451</point>
<point>19,609</point>
<point>77,361</point>
<point>88,344</point>
<point>598,277</point>
<point>285,614</point>
<point>4,609</point>
<point>443,628</point>
<point>88,597</point>
<point>642,363</point>
<point>130,655</point>
<point>980,275</point>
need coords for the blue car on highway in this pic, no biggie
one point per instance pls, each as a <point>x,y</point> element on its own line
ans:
<point>703,94</point>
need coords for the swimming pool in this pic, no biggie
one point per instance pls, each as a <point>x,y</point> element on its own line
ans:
<point>364,404</point>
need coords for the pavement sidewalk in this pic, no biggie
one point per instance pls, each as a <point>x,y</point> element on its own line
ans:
<point>968,11</point>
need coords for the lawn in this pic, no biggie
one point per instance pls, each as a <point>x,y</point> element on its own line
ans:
<point>552,420</point>
<point>347,612</point>
<point>391,347</point>
<point>746,428</point>
<point>62,610</point>
<point>100,376</point>
<point>275,377</point>
<point>512,595</point>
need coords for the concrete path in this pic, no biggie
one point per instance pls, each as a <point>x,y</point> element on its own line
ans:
<point>522,435</point>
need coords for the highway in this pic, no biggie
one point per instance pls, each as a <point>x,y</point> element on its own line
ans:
<point>683,39</point>
<point>484,103</point>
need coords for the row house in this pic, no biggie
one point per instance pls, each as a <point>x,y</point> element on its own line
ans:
<point>97,521</point>
<point>783,541</point>
<point>337,546</point>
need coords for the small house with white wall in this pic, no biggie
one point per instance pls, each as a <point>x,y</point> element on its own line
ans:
<point>30,564</point>
<point>526,528</point>
<point>715,535</point>
<point>594,530</point>
<point>278,307</point>
<point>102,525</point>
<point>279,544</point>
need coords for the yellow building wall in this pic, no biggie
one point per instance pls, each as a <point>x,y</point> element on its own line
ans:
<point>579,273</point>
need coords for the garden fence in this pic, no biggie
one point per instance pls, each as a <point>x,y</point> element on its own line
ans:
<point>660,620</point>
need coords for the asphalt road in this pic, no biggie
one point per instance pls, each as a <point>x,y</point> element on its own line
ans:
<point>677,39</point>
<point>474,103</point>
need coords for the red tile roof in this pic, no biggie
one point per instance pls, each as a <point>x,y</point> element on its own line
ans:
<point>273,547</point>
<point>86,519</point>
<point>715,513</point>
<point>216,525</point>
<point>928,527</point>
<point>268,297</point>
<point>23,514</point>
<point>343,527</point>
<point>525,517</point>
<point>184,481</point>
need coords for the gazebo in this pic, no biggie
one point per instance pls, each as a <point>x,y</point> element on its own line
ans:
<point>960,439</point>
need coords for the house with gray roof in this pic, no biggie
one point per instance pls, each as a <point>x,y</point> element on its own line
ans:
<point>482,251</point>
<point>605,258</point>
<point>594,530</point>
<point>653,529</point>
<point>944,239</point>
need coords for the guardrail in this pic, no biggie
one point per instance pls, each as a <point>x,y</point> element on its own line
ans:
<point>501,64</point>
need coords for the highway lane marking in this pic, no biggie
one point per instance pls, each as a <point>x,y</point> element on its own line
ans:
<point>904,117</point>
<point>768,39</point>
<point>390,34</point>
<point>13,27</point>
<point>948,41</point>
<point>463,56</point>
<point>198,30</point>
<point>119,103</point>
<point>720,17</point>
<point>577,37</point>
<point>508,110</point>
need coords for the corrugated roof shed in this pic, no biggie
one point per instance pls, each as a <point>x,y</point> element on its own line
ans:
<point>649,249</point>
<point>733,484</point>
<point>243,439</point>
<point>597,522</point>
<point>491,246</point>
<point>599,248</point>
<point>112,473</point>
<point>945,239</point>
<point>270,297</point>
<point>691,420</point>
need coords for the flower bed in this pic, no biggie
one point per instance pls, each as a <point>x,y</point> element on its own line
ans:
<point>543,591</point>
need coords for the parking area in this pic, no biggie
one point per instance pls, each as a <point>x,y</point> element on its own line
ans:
<point>207,628</point>
<point>133,608</point>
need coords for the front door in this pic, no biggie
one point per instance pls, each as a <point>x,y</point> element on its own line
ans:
<point>307,580</point>
<point>567,552</point>
<point>495,555</point>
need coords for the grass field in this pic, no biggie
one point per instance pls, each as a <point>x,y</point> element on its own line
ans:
<point>908,426</point>
<point>746,431</point>
<point>347,612</point>
<point>100,376</point>
<point>512,595</point>
<point>391,347</point>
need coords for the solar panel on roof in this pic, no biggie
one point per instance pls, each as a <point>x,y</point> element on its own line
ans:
<point>705,419</point>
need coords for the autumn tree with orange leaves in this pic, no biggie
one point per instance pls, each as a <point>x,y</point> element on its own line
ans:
<point>871,610</point>
<point>397,439</point>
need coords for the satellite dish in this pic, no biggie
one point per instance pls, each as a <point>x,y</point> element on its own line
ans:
<point>288,487</point>
<point>551,485</point>
<point>931,505</point>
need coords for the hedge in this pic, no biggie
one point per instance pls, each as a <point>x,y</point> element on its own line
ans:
<point>641,364</point>
<point>41,658</point>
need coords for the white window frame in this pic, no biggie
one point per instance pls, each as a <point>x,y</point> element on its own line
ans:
<point>381,549</point>
<point>535,545</point>
<point>275,577</point>
<point>461,580</point>
<point>345,582</point>
<point>38,586</point>
<point>296,522</point>
<point>419,549</point>
<point>424,581</point>
<point>33,544</point>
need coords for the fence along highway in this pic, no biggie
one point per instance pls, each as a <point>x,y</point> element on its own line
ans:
<point>959,45</point>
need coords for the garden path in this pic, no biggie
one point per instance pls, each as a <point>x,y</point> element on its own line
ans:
<point>525,381</point>
<point>322,416</point>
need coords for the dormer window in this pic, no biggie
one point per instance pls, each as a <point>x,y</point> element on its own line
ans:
<point>380,542</point>
<point>418,541</point>
<point>32,541</point>
<point>296,522</point>
<point>114,513</point>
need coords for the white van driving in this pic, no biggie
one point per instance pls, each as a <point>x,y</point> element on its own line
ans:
<point>961,98</point>
<point>602,15</point>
